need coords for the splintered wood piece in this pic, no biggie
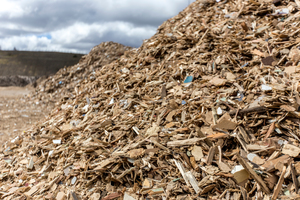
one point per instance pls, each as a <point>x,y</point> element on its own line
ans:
<point>244,134</point>
<point>186,159</point>
<point>135,153</point>
<point>74,196</point>
<point>169,118</point>
<point>170,125</point>
<point>225,123</point>
<point>270,165</point>
<point>95,196</point>
<point>33,190</point>
<point>181,130</point>
<point>30,164</point>
<point>193,181</point>
<point>104,163</point>
<point>271,129</point>
<point>156,191</point>
<point>257,52</point>
<point>163,93</point>
<point>223,166</point>
<point>178,143</point>
<point>245,195</point>
<point>61,196</point>
<point>160,146</point>
<point>255,159</point>
<point>211,154</point>
<point>136,130</point>
<point>201,135</point>
<point>271,180</point>
<point>152,131</point>
<point>147,183</point>
<point>125,172</point>
<point>253,174</point>
<point>294,177</point>
<point>207,189</point>
<point>197,153</point>
<point>182,171</point>
<point>258,109</point>
<point>112,196</point>
<point>279,184</point>
<point>193,163</point>
<point>291,150</point>
<point>242,143</point>
<point>218,136</point>
<point>214,115</point>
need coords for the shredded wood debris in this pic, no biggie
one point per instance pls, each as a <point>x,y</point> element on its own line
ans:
<point>207,108</point>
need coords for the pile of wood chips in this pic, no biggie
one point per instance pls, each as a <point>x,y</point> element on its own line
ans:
<point>67,79</point>
<point>207,108</point>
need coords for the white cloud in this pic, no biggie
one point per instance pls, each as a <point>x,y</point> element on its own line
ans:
<point>25,42</point>
<point>14,26</point>
<point>12,9</point>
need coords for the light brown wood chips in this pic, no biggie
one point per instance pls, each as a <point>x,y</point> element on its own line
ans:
<point>207,108</point>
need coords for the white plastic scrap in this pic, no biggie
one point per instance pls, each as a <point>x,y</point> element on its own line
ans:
<point>56,141</point>
<point>128,197</point>
<point>73,180</point>
<point>219,111</point>
<point>266,88</point>
<point>251,156</point>
<point>111,101</point>
<point>125,71</point>
<point>85,108</point>
<point>282,11</point>
<point>237,168</point>
<point>50,153</point>
<point>15,139</point>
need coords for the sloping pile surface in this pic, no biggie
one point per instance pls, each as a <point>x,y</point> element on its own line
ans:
<point>207,108</point>
<point>18,112</point>
<point>67,79</point>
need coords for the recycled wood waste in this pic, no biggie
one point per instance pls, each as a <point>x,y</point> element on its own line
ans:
<point>207,108</point>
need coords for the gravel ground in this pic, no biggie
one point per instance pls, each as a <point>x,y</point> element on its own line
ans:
<point>18,112</point>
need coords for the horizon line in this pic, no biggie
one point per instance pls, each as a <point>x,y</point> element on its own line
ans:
<point>43,50</point>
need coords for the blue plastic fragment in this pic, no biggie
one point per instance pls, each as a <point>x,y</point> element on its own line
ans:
<point>188,79</point>
<point>244,65</point>
<point>241,97</point>
<point>183,102</point>
<point>60,82</point>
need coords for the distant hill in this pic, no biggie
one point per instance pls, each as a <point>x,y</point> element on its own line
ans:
<point>30,63</point>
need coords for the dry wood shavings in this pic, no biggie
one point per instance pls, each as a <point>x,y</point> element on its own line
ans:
<point>207,108</point>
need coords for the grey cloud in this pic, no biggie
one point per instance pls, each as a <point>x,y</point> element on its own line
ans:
<point>50,16</point>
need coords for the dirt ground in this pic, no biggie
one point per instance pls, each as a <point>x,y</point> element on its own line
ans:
<point>18,112</point>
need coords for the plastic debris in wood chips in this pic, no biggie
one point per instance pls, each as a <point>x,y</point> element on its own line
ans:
<point>204,109</point>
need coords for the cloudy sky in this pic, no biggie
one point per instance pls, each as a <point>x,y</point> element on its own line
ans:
<point>78,25</point>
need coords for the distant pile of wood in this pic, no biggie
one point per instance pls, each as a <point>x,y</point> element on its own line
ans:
<point>17,80</point>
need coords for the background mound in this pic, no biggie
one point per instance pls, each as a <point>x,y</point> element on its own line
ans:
<point>29,63</point>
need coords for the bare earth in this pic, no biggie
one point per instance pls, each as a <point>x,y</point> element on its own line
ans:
<point>18,112</point>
